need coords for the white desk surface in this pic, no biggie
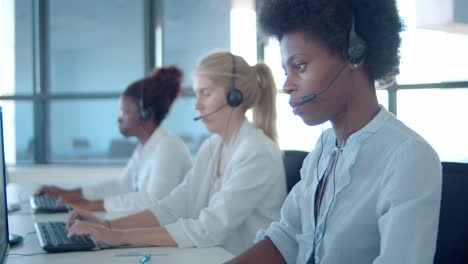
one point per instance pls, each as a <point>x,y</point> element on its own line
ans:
<point>22,223</point>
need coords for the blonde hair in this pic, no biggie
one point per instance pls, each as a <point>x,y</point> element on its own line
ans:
<point>255,82</point>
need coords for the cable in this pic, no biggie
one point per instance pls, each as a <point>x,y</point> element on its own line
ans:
<point>332,200</point>
<point>138,254</point>
<point>320,155</point>
<point>30,233</point>
<point>26,254</point>
<point>317,177</point>
<point>338,154</point>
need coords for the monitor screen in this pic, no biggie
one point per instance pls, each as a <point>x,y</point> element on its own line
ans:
<point>3,211</point>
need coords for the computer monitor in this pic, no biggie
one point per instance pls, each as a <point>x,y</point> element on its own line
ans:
<point>3,207</point>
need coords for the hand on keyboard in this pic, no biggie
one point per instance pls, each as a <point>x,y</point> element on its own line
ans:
<point>100,233</point>
<point>75,201</point>
<point>83,215</point>
<point>51,191</point>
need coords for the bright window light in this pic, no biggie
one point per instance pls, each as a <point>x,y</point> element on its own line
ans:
<point>7,81</point>
<point>273,59</point>
<point>7,46</point>
<point>244,34</point>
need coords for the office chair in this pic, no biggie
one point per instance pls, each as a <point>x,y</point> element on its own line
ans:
<point>292,164</point>
<point>452,238</point>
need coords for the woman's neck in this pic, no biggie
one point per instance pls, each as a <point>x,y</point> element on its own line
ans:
<point>225,151</point>
<point>229,134</point>
<point>360,109</point>
<point>146,131</point>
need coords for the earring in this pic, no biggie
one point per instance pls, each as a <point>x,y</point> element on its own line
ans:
<point>355,66</point>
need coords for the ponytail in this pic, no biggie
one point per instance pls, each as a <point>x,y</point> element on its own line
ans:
<point>256,84</point>
<point>264,110</point>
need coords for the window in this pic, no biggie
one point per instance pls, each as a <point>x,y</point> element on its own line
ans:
<point>17,79</point>
<point>22,28</point>
<point>433,60</point>
<point>433,83</point>
<point>70,60</point>
<point>191,30</point>
<point>94,46</point>
<point>64,64</point>
<point>439,116</point>
<point>18,131</point>
<point>435,41</point>
<point>87,135</point>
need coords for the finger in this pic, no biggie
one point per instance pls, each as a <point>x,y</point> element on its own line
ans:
<point>73,217</point>
<point>87,216</point>
<point>44,190</point>
<point>79,212</point>
<point>74,229</point>
<point>80,228</point>
<point>39,192</point>
<point>61,201</point>
<point>70,222</point>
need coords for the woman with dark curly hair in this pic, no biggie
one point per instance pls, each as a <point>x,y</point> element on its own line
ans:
<point>158,164</point>
<point>370,190</point>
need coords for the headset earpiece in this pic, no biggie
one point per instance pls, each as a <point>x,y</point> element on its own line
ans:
<point>234,95</point>
<point>143,112</point>
<point>357,47</point>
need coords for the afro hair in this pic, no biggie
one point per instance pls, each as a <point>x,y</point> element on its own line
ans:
<point>329,21</point>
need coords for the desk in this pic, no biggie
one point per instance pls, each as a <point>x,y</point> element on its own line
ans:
<point>22,223</point>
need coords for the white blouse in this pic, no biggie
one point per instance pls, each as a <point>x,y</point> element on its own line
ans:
<point>251,192</point>
<point>381,204</point>
<point>153,170</point>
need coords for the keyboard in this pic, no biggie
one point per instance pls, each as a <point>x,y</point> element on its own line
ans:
<point>53,238</point>
<point>46,204</point>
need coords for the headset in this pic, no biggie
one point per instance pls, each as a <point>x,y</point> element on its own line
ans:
<point>354,53</point>
<point>357,48</point>
<point>144,113</point>
<point>234,95</point>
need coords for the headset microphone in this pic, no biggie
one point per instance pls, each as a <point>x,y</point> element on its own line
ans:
<point>355,53</point>
<point>311,97</point>
<point>202,116</point>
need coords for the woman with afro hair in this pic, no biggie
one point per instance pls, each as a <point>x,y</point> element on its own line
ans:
<point>370,190</point>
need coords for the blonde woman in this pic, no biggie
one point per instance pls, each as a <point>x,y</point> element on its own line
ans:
<point>237,184</point>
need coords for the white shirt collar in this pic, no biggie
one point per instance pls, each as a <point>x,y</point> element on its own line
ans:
<point>157,134</point>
